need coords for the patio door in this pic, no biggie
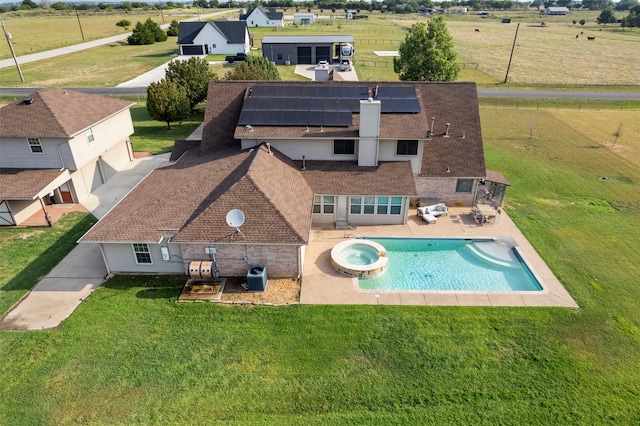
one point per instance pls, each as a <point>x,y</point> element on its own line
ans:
<point>65,193</point>
<point>341,209</point>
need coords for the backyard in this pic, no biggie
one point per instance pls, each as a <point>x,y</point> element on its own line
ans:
<point>130,353</point>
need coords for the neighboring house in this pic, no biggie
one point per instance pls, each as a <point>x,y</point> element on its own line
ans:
<point>556,11</point>
<point>213,37</point>
<point>293,154</point>
<point>263,17</point>
<point>57,146</point>
<point>303,18</point>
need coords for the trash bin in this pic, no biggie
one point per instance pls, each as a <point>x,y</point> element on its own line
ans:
<point>257,278</point>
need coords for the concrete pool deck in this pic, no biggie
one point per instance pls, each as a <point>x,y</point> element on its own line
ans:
<point>322,284</point>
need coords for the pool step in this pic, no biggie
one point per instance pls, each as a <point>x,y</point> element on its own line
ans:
<point>494,253</point>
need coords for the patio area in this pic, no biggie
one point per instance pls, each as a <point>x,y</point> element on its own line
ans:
<point>54,211</point>
<point>322,284</point>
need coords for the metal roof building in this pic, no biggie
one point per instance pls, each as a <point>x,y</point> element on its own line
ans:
<point>303,49</point>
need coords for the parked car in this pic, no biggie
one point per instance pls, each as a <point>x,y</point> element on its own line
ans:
<point>238,57</point>
<point>323,63</point>
<point>345,65</point>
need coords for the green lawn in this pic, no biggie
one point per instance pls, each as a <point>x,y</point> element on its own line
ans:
<point>131,354</point>
<point>154,136</point>
<point>28,254</point>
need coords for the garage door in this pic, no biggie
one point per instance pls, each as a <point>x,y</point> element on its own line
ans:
<point>192,50</point>
<point>323,53</point>
<point>304,55</point>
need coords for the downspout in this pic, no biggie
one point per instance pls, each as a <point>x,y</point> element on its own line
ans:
<point>104,258</point>
<point>62,167</point>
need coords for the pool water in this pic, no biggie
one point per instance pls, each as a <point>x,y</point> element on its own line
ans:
<point>359,254</point>
<point>452,264</point>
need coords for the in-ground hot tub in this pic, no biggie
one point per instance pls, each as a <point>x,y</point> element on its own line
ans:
<point>360,258</point>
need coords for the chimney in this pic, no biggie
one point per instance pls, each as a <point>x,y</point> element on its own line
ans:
<point>369,132</point>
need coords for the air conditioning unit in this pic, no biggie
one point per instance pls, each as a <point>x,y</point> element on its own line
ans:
<point>287,62</point>
<point>257,278</point>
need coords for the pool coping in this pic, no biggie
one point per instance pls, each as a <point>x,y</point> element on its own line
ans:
<point>322,284</point>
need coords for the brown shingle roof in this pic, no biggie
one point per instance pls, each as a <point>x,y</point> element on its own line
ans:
<point>455,103</point>
<point>57,113</point>
<point>192,197</point>
<point>347,178</point>
<point>497,177</point>
<point>25,183</point>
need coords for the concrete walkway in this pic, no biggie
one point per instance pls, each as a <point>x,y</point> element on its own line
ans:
<point>60,292</point>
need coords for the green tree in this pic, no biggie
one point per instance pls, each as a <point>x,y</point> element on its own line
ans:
<point>123,24</point>
<point>426,53</point>
<point>167,101</point>
<point>194,75</point>
<point>173,29</point>
<point>158,34</point>
<point>254,68</point>
<point>140,35</point>
<point>633,19</point>
<point>607,16</point>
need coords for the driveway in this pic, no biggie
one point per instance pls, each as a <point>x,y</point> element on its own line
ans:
<point>60,292</point>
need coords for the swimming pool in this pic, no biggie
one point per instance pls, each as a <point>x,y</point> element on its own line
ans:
<point>453,264</point>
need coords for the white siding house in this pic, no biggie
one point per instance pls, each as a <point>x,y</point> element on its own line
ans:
<point>213,37</point>
<point>263,17</point>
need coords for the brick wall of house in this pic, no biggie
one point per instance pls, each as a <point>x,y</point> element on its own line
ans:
<point>234,259</point>
<point>443,190</point>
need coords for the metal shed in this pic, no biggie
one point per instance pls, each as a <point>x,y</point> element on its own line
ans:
<point>302,49</point>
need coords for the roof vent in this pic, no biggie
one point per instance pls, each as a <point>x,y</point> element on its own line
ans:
<point>27,101</point>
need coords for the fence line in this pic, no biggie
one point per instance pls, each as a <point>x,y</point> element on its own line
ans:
<point>572,104</point>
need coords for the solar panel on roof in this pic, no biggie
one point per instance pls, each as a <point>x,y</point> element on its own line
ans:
<point>302,105</point>
<point>398,99</point>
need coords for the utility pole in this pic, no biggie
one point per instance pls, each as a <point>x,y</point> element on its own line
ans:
<point>13,52</point>
<point>506,77</point>
<point>81,32</point>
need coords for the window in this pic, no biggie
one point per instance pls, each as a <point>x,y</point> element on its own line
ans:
<point>383,205</point>
<point>464,185</point>
<point>396,205</point>
<point>279,56</point>
<point>369,205</point>
<point>356,205</point>
<point>324,204</point>
<point>376,205</point>
<point>409,147</point>
<point>89,134</point>
<point>35,146</point>
<point>344,146</point>
<point>141,251</point>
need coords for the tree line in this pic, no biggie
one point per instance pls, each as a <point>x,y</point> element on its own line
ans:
<point>398,6</point>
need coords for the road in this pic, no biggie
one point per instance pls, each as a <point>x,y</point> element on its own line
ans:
<point>483,93</point>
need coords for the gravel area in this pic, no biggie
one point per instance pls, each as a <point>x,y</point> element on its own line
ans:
<point>283,291</point>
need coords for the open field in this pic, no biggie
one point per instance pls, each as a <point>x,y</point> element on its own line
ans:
<point>37,31</point>
<point>549,55</point>
<point>131,354</point>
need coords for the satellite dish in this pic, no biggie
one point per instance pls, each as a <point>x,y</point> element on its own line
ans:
<point>235,218</point>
